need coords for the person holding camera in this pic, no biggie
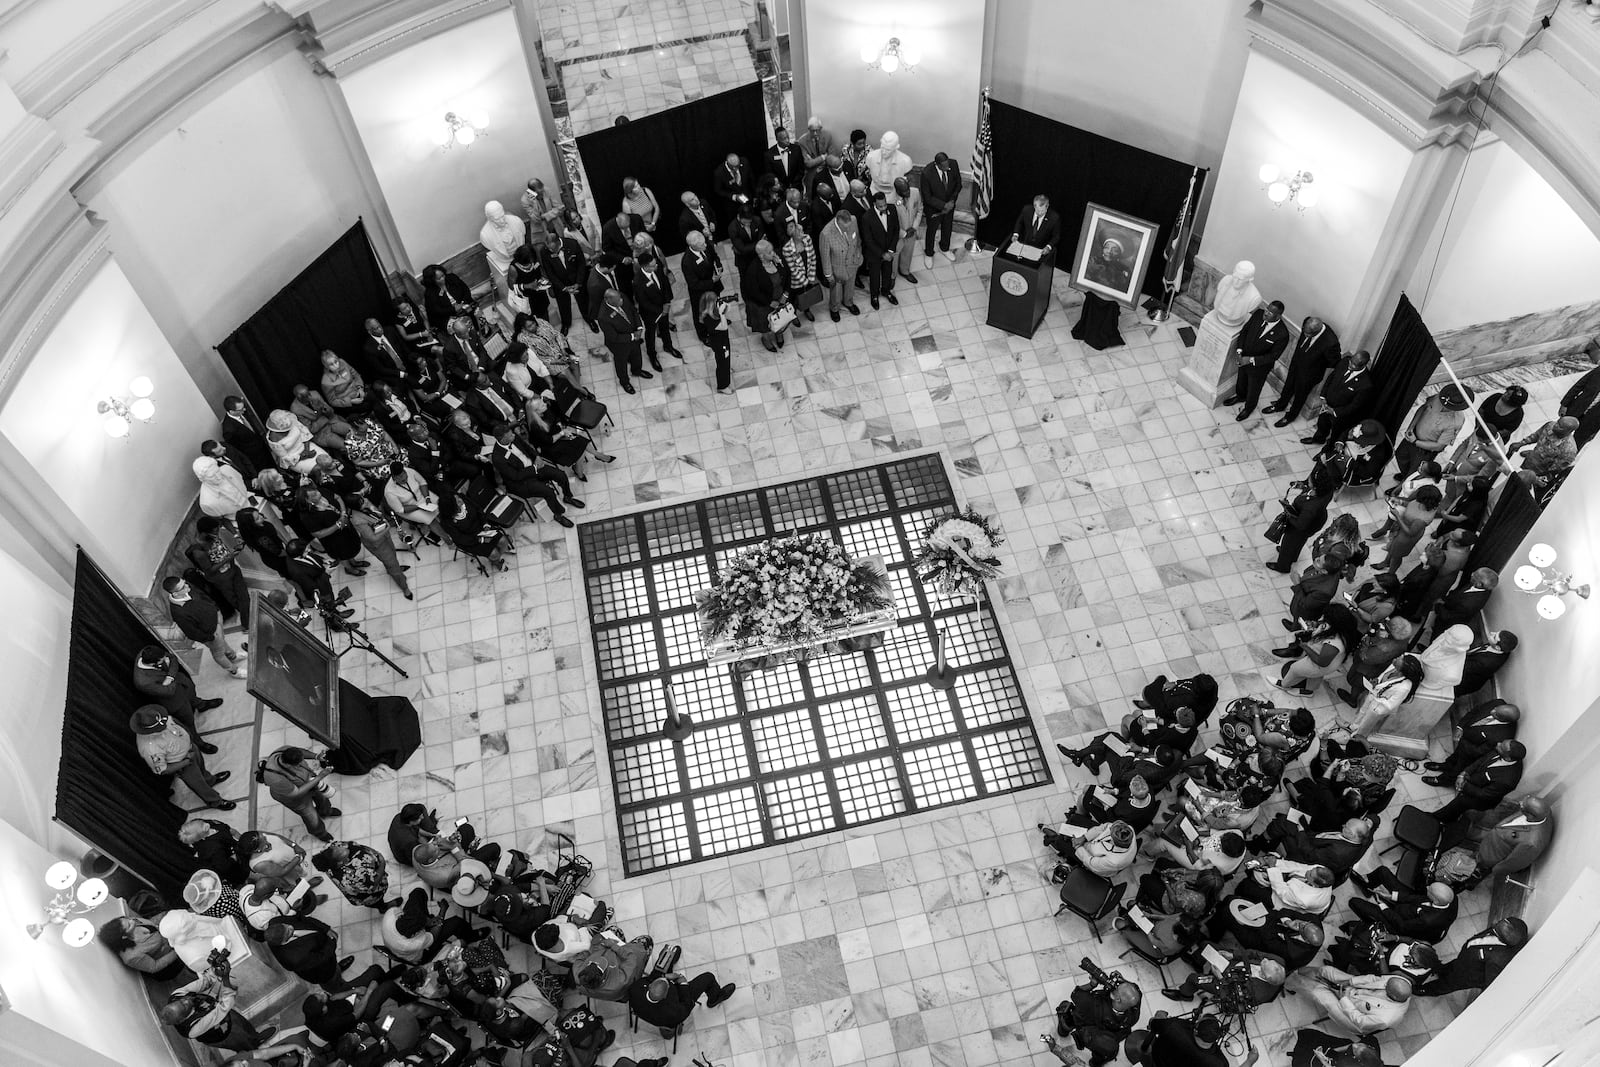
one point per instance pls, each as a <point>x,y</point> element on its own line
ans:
<point>1178,1042</point>
<point>203,1010</point>
<point>1099,1014</point>
<point>294,778</point>
<point>713,321</point>
<point>1300,518</point>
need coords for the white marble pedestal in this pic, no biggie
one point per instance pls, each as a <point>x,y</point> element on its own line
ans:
<point>1407,729</point>
<point>1211,368</point>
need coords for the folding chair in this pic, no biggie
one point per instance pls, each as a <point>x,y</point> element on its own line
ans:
<point>1090,897</point>
<point>1415,829</point>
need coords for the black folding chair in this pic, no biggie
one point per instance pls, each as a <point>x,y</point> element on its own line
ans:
<point>1090,897</point>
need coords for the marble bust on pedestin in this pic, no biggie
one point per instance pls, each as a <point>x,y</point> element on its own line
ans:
<point>886,163</point>
<point>1237,296</point>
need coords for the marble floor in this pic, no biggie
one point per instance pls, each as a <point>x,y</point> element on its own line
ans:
<point>1133,517</point>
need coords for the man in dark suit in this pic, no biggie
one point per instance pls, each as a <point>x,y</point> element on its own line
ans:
<point>624,334</point>
<point>162,679</point>
<point>517,466</point>
<point>1338,850</point>
<point>1425,916</point>
<point>464,354</point>
<point>1038,225</point>
<point>382,349</point>
<point>1287,935</point>
<point>462,441</point>
<point>1314,355</point>
<point>1346,394</point>
<point>732,183</point>
<point>1481,731</point>
<point>700,275</point>
<point>941,188</point>
<point>785,161</point>
<point>616,240</point>
<point>834,175</point>
<point>241,430</point>
<point>1484,659</point>
<point>602,276</point>
<point>1579,403</point>
<point>1258,347</point>
<point>1462,605</point>
<point>486,404</point>
<point>565,270</point>
<point>697,217</point>
<point>309,948</point>
<point>880,238</point>
<point>794,209</point>
<point>1486,782</point>
<point>228,456</point>
<point>652,297</point>
<point>1480,960</point>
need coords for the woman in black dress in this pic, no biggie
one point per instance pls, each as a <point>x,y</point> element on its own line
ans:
<point>445,296</point>
<point>469,531</point>
<point>413,328</point>
<point>259,536</point>
<point>525,279</point>
<point>328,520</point>
<point>561,445</point>
<point>764,291</point>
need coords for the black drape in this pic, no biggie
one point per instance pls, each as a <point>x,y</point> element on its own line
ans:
<point>1507,526</point>
<point>674,152</point>
<point>1075,168</point>
<point>104,791</point>
<point>1405,361</point>
<point>324,307</point>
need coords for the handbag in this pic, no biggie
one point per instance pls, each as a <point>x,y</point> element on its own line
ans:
<point>518,302</point>
<point>780,318</point>
<point>809,297</point>
<point>1277,528</point>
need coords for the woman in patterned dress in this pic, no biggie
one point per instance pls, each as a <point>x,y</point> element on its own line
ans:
<point>358,870</point>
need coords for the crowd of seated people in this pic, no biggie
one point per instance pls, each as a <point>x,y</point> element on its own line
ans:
<point>425,446</point>
<point>1245,897</point>
<point>443,992</point>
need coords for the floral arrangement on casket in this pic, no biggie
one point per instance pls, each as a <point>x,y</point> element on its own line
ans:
<point>958,554</point>
<point>791,590</point>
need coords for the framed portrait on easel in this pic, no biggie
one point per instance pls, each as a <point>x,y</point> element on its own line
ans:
<point>1114,252</point>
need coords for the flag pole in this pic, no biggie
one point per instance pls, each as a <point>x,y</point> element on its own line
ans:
<point>1164,312</point>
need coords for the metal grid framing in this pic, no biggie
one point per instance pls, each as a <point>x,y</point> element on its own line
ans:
<point>800,749</point>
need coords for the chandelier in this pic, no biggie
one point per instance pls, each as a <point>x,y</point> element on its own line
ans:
<point>890,57</point>
<point>67,908</point>
<point>1538,578</point>
<point>460,130</point>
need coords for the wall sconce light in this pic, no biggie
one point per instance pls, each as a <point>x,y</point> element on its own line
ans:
<point>1281,190</point>
<point>67,908</point>
<point>896,55</point>
<point>119,412</point>
<point>461,130</point>
<point>1537,578</point>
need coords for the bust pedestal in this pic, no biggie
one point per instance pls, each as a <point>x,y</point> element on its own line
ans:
<point>1405,732</point>
<point>1211,367</point>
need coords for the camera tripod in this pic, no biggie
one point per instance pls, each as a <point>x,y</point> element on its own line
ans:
<point>355,637</point>
<point>1235,1039</point>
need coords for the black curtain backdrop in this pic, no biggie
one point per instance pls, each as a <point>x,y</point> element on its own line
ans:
<point>674,152</point>
<point>324,307</point>
<point>1405,361</point>
<point>1513,516</point>
<point>1075,168</point>
<point>104,791</point>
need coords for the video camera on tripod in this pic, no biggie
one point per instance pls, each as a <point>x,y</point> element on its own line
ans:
<point>1229,992</point>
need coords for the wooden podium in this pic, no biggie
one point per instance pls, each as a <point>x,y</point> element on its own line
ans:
<point>1019,292</point>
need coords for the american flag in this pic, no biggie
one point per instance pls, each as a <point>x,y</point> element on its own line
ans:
<point>983,164</point>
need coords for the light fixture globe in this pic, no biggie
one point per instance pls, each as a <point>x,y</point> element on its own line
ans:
<point>115,426</point>
<point>479,120</point>
<point>1269,173</point>
<point>465,135</point>
<point>78,933</point>
<point>869,53</point>
<point>1541,555</point>
<point>1278,192</point>
<point>1307,197</point>
<point>143,409</point>
<point>910,55</point>
<point>61,875</point>
<point>141,386</point>
<point>93,892</point>
<point>1551,607</point>
<point>889,63</point>
<point>1527,578</point>
<point>441,137</point>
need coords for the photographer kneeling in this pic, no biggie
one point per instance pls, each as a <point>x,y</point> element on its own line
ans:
<point>1252,978</point>
<point>1099,1014</point>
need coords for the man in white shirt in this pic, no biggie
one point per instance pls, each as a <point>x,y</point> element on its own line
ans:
<point>1108,849</point>
<point>1295,886</point>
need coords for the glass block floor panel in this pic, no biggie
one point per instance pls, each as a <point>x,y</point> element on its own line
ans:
<point>801,748</point>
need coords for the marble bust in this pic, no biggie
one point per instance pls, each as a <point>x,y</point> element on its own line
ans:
<point>501,236</point>
<point>886,163</point>
<point>1237,296</point>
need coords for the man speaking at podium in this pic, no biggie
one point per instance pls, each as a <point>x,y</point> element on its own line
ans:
<point>1038,226</point>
